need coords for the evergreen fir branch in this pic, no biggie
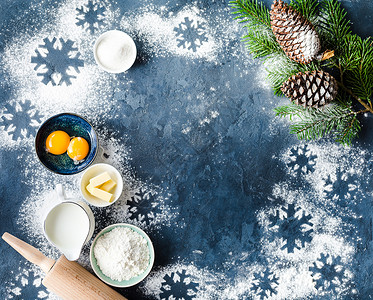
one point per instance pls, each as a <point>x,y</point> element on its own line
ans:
<point>291,110</point>
<point>307,8</point>
<point>357,66</point>
<point>260,39</point>
<point>349,58</point>
<point>353,58</point>
<point>252,11</point>
<point>333,25</point>
<point>260,45</point>
<point>311,124</point>
<point>278,73</point>
<point>348,130</point>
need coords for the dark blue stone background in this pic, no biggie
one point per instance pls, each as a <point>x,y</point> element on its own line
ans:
<point>219,174</point>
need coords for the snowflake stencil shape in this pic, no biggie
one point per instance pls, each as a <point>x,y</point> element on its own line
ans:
<point>90,16</point>
<point>294,227</point>
<point>57,61</point>
<point>265,284</point>
<point>28,286</point>
<point>178,285</point>
<point>191,34</point>
<point>342,187</point>
<point>20,120</point>
<point>142,207</point>
<point>328,273</point>
<point>302,160</point>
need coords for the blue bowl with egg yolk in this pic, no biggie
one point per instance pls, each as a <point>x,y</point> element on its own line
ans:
<point>74,126</point>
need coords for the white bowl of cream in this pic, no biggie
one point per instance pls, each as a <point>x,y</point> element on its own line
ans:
<point>115,51</point>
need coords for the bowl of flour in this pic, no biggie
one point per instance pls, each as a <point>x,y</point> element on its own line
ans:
<point>115,51</point>
<point>122,255</point>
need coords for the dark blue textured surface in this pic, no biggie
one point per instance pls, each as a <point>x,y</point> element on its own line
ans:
<point>258,213</point>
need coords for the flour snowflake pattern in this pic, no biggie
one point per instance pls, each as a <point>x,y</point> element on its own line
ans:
<point>57,61</point>
<point>302,160</point>
<point>91,16</point>
<point>191,34</point>
<point>264,284</point>
<point>20,119</point>
<point>27,286</point>
<point>341,187</point>
<point>293,226</point>
<point>328,273</point>
<point>143,206</point>
<point>178,285</point>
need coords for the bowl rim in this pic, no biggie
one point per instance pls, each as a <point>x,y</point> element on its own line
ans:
<point>92,166</point>
<point>108,33</point>
<point>143,275</point>
<point>53,117</point>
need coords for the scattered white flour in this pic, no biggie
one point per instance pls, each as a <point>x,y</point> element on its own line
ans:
<point>122,253</point>
<point>207,120</point>
<point>27,275</point>
<point>170,33</point>
<point>185,278</point>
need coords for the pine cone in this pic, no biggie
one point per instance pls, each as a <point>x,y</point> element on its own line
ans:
<point>294,33</point>
<point>311,89</point>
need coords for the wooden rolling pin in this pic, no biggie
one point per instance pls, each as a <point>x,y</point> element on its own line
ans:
<point>65,278</point>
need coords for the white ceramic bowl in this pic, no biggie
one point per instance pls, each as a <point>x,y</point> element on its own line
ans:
<point>115,51</point>
<point>133,280</point>
<point>95,170</point>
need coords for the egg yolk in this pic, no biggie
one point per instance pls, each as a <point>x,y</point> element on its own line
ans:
<point>57,142</point>
<point>78,148</point>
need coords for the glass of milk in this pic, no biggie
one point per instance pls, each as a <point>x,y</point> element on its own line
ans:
<point>69,225</point>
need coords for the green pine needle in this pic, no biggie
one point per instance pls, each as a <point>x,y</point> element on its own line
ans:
<point>260,39</point>
<point>333,25</point>
<point>307,8</point>
<point>252,11</point>
<point>312,124</point>
<point>357,66</point>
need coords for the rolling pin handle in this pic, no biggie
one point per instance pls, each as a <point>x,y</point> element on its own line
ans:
<point>29,252</point>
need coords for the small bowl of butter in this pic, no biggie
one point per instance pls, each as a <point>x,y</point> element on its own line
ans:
<point>101,185</point>
<point>115,51</point>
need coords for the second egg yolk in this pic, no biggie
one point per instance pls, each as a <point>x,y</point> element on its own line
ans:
<point>78,148</point>
<point>57,142</point>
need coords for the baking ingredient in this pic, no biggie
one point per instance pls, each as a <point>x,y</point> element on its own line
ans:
<point>99,179</point>
<point>100,186</point>
<point>101,194</point>
<point>67,226</point>
<point>122,253</point>
<point>57,142</point>
<point>108,185</point>
<point>78,148</point>
<point>116,51</point>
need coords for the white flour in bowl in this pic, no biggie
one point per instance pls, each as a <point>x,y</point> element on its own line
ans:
<point>122,253</point>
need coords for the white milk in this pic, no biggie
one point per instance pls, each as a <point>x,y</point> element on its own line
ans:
<point>67,227</point>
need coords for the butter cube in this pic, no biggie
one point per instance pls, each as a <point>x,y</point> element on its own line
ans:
<point>103,195</point>
<point>108,185</point>
<point>99,179</point>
